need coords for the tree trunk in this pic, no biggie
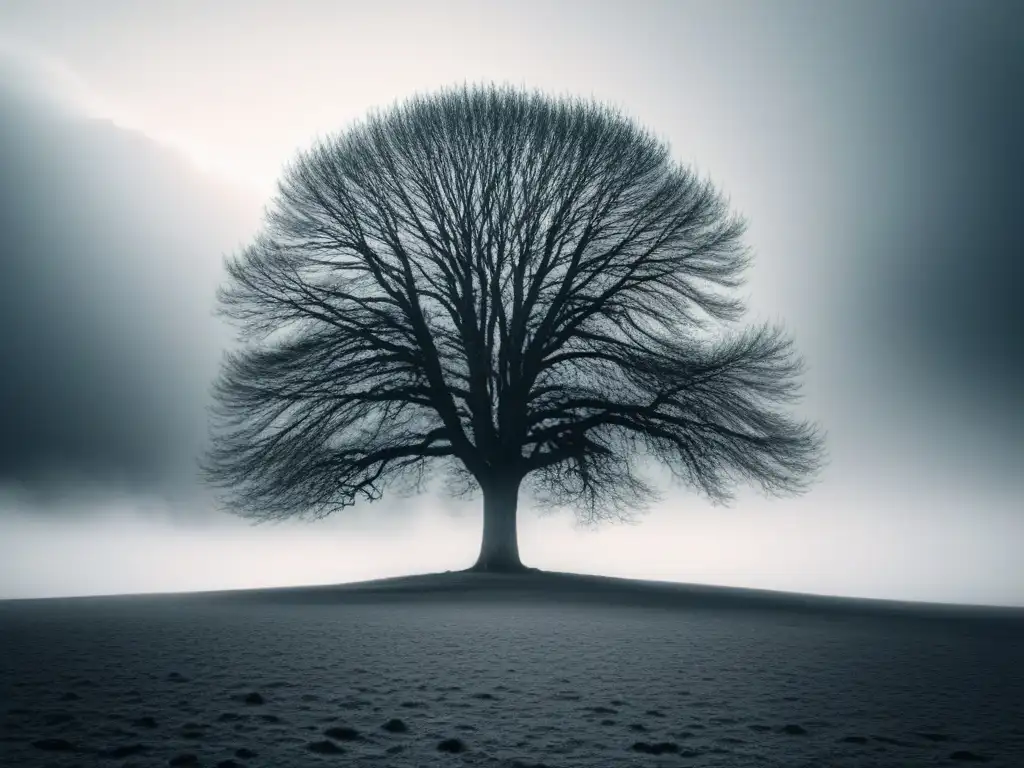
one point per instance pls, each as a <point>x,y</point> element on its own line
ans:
<point>499,548</point>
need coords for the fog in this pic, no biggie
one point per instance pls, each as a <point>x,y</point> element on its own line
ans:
<point>873,148</point>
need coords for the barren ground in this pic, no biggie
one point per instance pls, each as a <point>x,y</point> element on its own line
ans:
<point>485,670</point>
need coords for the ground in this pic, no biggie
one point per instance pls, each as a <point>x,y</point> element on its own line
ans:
<point>490,670</point>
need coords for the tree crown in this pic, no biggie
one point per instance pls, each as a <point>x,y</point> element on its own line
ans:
<point>514,285</point>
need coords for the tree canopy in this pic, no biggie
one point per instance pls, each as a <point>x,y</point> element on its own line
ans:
<point>510,286</point>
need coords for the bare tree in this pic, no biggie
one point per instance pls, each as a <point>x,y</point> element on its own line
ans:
<point>516,287</point>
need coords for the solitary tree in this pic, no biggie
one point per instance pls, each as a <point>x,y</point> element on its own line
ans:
<point>515,287</point>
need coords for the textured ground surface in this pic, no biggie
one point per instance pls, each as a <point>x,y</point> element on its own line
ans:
<point>540,676</point>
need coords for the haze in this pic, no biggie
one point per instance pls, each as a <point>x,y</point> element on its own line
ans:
<point>874,148</point>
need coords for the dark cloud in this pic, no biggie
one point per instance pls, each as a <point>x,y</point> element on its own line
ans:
<point>110,251</point>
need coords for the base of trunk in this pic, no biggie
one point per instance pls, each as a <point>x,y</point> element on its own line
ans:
<point>499,547</point>
<point>500,567</point>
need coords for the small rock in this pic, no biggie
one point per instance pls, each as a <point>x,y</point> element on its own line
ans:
<point>344,733</point>
<point>794,730</point>
<point>325,747</point>
<point>253,698</point>
<point>453,746</point>
<point>656,748</point>
<point>394,725</point>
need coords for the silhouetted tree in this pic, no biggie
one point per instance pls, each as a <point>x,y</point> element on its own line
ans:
<point>519,287</point>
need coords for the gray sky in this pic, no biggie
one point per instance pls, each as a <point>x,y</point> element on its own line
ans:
<point>872,146</point>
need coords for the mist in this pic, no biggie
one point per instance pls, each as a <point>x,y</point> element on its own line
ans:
<point>872,147</point>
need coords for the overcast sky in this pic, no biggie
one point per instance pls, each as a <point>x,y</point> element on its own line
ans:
<point>873,146</point>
